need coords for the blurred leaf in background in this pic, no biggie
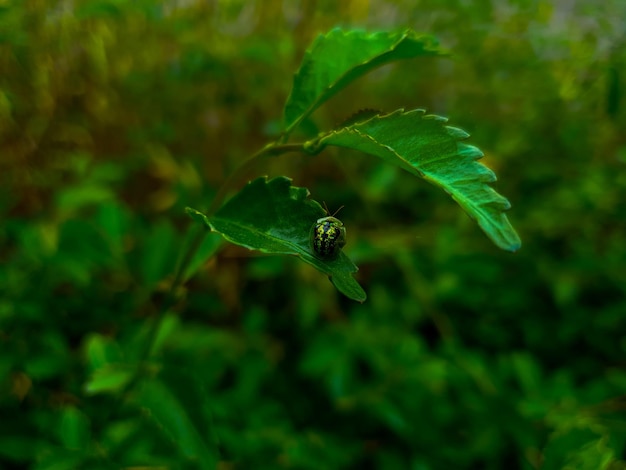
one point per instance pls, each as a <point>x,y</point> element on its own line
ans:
<point>115,116</point>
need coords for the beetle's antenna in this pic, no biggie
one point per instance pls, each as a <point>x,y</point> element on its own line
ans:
<point>337,211</point>
<point>328,212</point>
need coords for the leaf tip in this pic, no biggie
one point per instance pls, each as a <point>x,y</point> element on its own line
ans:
<point>515,244</point>
<point>198,216</point>
<point>456,133</point>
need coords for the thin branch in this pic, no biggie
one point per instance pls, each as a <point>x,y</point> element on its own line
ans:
<point>270,150</point>
<point>171,297</point>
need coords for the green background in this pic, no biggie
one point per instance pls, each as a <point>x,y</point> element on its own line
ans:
<point>116,115</point>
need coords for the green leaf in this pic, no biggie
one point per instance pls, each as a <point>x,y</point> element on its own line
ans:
<point>74,428</point>
<point>61,459</point>
<point>198,216</point>
<point>579,447</point>
<point>210,244</point>
<point>159,251</point>
<point>110,378</point>
<point>275,217</point>
<point>173,418</point>
<point>74,198</point>
<point>167,327</point>
<point>339,57</point>
<point>113,219</point>
<point>100,350</point>
<point>423,145</point>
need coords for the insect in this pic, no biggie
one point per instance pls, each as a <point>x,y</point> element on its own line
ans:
<point>328,236</point>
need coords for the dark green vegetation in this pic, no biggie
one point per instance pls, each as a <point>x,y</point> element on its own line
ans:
<point>115,116</point>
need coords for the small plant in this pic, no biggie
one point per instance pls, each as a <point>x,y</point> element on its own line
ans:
<point>275,217</point>
<point>459,359</point>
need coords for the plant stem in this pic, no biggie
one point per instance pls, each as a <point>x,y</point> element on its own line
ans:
<point>272,149</point>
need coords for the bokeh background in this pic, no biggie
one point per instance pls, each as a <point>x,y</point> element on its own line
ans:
<point>116,115</point>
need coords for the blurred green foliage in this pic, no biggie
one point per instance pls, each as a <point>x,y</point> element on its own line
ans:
<point>116,115</point>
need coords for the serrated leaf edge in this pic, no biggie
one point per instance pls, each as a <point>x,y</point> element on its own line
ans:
<point>402,35</point>
<point>484,176</point>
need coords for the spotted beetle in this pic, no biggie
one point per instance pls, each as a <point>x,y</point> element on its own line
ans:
<point>328,236</point>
